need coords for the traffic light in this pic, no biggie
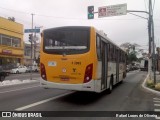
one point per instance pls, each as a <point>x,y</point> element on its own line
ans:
<point>90,12</point>
<point>30,37</point>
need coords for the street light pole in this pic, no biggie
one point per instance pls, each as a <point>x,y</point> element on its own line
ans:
<point>35,43</point>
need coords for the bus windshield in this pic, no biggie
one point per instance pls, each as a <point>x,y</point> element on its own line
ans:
<point>66,41</point>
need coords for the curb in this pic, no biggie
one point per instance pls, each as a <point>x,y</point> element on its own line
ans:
<point>149,89</point>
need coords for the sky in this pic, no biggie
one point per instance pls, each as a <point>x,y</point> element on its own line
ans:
<point>56,13</point>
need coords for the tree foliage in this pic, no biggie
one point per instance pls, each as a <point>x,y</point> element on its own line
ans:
<point>131,57</point>
<point>131,52</point>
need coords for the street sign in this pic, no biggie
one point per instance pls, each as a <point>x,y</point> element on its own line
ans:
<point>32,31</point>
<point>113,10</point>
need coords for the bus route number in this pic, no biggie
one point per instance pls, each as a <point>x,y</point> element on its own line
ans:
<point>76,63</point>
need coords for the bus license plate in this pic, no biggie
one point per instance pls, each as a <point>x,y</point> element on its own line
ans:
<point>64,78</point>
<point>52,63</point>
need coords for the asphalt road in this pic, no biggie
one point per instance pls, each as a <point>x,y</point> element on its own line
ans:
<point>128,96</point>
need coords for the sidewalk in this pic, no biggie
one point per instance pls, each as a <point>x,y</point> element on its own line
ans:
<point>157,81</point>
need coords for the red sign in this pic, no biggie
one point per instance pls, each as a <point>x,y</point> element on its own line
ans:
<point>8,52</point>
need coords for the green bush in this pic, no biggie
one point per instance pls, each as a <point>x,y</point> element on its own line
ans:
<point>150,84</point>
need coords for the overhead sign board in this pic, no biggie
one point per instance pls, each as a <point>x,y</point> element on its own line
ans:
<point>32,31</point>
<point>113,10</point>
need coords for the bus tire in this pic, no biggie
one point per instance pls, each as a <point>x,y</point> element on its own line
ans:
<point>121,81</point>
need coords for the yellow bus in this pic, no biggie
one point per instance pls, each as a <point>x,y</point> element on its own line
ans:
<point>80,58</point>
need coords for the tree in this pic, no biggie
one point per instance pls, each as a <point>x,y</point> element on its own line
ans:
<point>131,51</point>
<point>131,57</point>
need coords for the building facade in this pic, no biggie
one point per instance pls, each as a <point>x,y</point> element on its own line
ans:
<point>35,54</point>
<point>11,42</point>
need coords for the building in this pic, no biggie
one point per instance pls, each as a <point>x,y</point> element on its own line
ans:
<point>27,54</point>
<point>11,42</point>
<point>35,54</point>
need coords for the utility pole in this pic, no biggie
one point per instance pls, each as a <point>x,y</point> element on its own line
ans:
<point>152,61</point>
<point>150,39</point>
<point>31,49</point>
<point>37,30</point>
<point>35,45</point>
<point>154,55</point>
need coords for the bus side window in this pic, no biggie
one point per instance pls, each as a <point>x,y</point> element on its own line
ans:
<point>109,52</point>
<point>98,45</point>
<point>114,53</point>
<point>120,56</point>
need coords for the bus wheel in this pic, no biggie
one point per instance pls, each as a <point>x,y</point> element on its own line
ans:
<point>121,81</point>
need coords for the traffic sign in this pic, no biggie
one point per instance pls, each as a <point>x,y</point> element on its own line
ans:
<point>113,10</point>
<point>32,31</point>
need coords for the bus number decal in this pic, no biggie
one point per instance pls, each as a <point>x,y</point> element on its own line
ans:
<point>76,63</point>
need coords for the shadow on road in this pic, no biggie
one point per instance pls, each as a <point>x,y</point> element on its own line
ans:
<point>84,98</point>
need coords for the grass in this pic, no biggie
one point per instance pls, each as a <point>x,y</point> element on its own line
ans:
<point>150,84</point>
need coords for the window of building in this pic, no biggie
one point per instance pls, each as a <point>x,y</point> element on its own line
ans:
<point>10,41</point>
<point>16,42</point>
<point>6,40</point>
<point>27,51</point>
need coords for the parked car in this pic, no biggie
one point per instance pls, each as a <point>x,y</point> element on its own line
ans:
<point>7,68</point>
<point>19,69</point>
<point>3,74</point>
<point>34,68</point>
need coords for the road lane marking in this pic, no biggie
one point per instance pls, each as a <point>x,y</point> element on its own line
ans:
<point>157,110</point>
<point>156,101</point>
<point>41,102</point>
<point>156,98</point>
<point>158,118</point>
<point>18,89</point>
<point>156,104</point>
